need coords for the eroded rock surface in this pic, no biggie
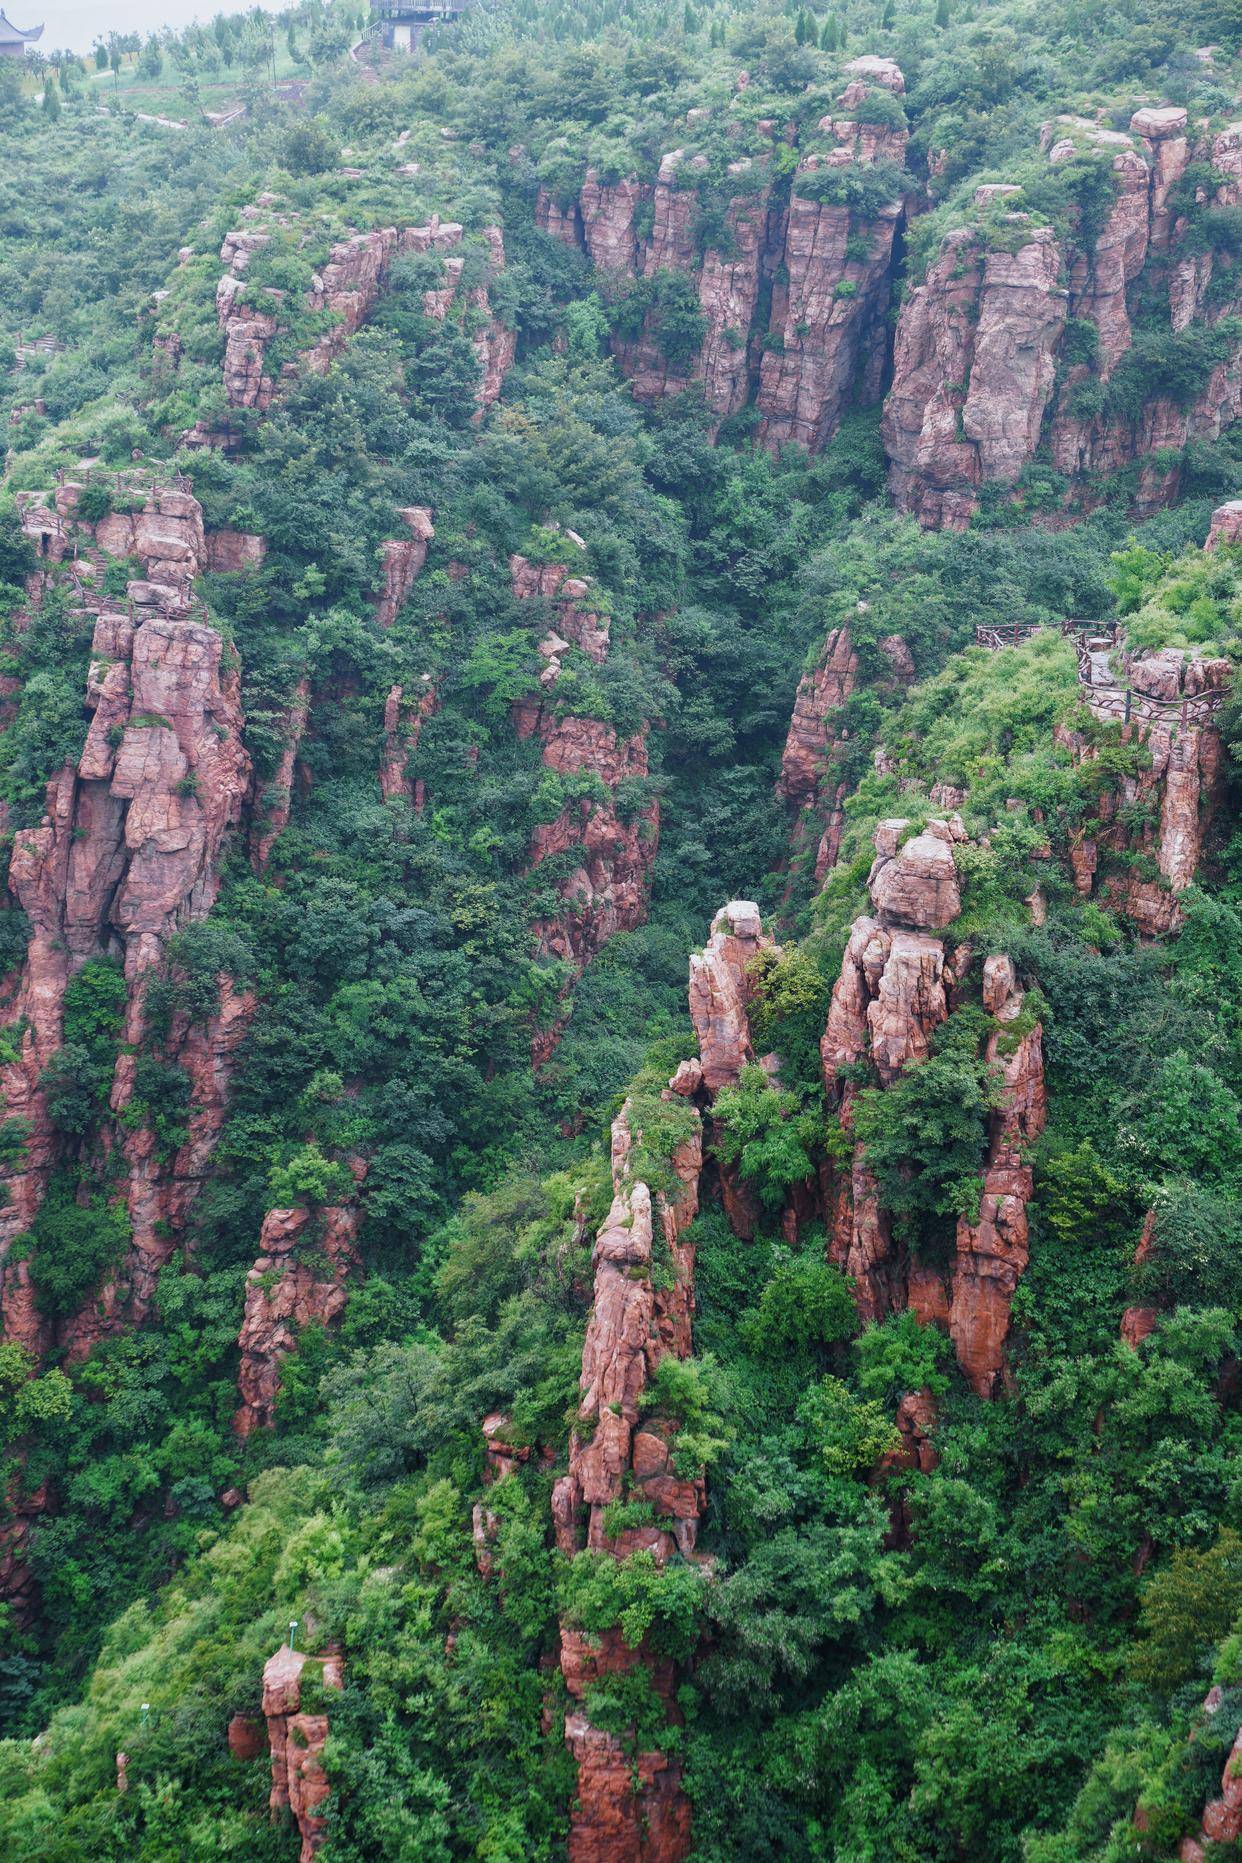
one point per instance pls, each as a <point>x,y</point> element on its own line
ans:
<point>297,1739</point>
<point>631,1806</point>
<point>299,1279</point>
<point>986,335</point>
<point>992,1250</point>
<point>129,852</point>
<point>607,888</point>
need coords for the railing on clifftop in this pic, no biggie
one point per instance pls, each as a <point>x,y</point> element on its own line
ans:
<point>148,478</point>
<point>1121,702</point>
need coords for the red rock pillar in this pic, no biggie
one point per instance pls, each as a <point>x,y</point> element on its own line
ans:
<point>296,1742</point>
<point>630,1808</point>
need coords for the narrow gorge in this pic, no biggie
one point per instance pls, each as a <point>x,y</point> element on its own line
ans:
<point>622,1120</point>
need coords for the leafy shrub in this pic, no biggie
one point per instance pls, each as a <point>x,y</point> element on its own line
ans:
<point>925,1135</point>
<point>805,1306</point>
<point>77,1239</point>
<point>766,1132</point>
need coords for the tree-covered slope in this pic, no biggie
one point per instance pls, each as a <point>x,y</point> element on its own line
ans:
<point>619,1033</point>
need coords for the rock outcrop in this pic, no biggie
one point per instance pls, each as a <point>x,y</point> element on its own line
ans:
<point>296,1740</point>
<point>299,1279</point>
<point>343,293</point>
<point>973,368</point>
<point>403,727</point>
<point>793,295</point>
<point>721,986</point>
<point>992,1250</point>
<point>1220,1827</point>
<point>401,562</point>
<point>1140,1320</point>
<point>896,988</point>
<point>605,888</point>
<point>810,779</point>
<point>622,1448</point>
<point>274,803</point>
<point>1226,526</point>
<point>808,743</point>
<point>1162,813</point>
<point>915,1454</point>
<point>828,336</point>
<point>1008,310</point>
<point>128,853</point>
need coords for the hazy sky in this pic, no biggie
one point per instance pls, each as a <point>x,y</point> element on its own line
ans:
<point>76,24</point>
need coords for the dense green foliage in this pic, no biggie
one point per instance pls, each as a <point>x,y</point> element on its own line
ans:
<point>1011,1683</point>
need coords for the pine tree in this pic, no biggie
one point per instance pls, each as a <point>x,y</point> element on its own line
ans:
<point>51,100</point>
<point>828,38</point>
<point>888,18</point>
<point>689,21</point>
<point>942,13</point>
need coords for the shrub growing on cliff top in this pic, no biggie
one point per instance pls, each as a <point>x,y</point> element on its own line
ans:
<point>925,1135</point>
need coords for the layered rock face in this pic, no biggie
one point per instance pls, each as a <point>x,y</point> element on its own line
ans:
<point>825,271</point>
<point>346,289</point>
<point>630,1807</point>
<point>808,742</point>
<point>808,779</point>
<point>404,719</point>
<point>1172,801</point>
<point>1226,526</point>
<point>897,982</point>
<point>830,301</point>
<point>992,1251</point>
<point>721,987</point>
<point>606,890</point>
<point>973,367</point>
<point>128,853</point>
<point>296,1741</point>
<point>402,560</point>
<point>287,1291</point>
<point>981,341</point>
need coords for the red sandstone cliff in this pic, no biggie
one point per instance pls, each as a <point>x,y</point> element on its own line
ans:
<point>812,744</point>
<point>973,368</point>
<point>992,1250</point>
<point>827,270</point>
<point>630,1807</point>
<point>299,1279</point>
<point>897,979</point>
<point>829,330</point>
<point>296,1741</point>
<point>344,290</point>
<point>606,890</point>
<point>128,853</point>
<point>980,341</point>
<point>1172,800</point>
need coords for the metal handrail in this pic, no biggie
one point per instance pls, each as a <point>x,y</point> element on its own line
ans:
<point>1122,702</point>
<point>417,9</point>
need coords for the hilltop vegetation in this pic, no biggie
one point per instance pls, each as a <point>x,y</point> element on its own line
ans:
<point>998,1651</point>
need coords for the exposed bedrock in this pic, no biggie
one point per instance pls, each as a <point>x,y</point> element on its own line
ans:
<point>793,297</point>
<point>128,852</point>
<point>631,1806</point>
<point>896,987</point>
<point>300,1278</point>
<point>1000,318</point>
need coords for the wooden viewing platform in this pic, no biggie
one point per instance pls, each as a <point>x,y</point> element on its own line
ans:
<point>1115,701</point>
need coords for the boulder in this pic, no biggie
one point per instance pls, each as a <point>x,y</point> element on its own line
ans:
<point>915,883</point>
